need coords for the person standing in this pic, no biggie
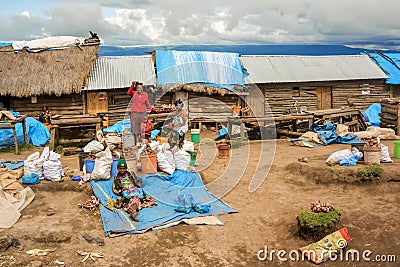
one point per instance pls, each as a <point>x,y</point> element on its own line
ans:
<point>139,102</point>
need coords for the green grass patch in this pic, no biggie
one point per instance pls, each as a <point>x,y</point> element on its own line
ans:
<point>313,219</point>
<point>371,172</point>
<point>21,147</point>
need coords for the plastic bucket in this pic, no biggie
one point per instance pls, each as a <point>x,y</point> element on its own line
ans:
<point>396,147</point>
<point>195,133</point>
<point>89,165</point>
<point>193,156</point>
<point>114,167</point>
<point>223,151</point>
<point>82,156</point>
<point>149,163</point>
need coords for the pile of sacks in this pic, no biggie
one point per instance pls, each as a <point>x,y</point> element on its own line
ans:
<point>171,159</point>
<point>47,165</point>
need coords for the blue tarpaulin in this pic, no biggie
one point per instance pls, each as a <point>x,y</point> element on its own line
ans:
<point>37,133</point>
<point>390,63</point>
<point>118,127</point>
<point>165,189</point>
<point>327,134</point>
<point>373,114</point>
<point>13,166</point>
<point>222,70</point>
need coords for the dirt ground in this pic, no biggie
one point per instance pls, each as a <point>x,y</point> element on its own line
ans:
<point>266,218</point>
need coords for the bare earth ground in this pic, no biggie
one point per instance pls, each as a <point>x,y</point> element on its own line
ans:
<point>266,217</point>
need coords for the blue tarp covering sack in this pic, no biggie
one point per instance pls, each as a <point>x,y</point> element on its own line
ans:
<point>37,133</point>
<point>222,70</point>
<point>373,114</point>
<point>118,127</point>
<point>165,189</point>
<point>327,134</point>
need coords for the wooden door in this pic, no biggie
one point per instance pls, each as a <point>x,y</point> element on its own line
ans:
<point>256,101</point>
<point>97,102</point>
<point>324,97</point>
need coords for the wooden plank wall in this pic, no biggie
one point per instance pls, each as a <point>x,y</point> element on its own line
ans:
<point>341,91</point>
<point>119,103</point>
<point>280,99</point>
<point>64,105</point>
<point>215,107</point>
<point>390,114</point>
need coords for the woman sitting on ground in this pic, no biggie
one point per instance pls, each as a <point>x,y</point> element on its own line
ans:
<point>178,127</point>
<point>130,196</point>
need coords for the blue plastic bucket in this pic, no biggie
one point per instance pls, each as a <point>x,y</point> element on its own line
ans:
<point>114,167</point>
<point>89,165</point>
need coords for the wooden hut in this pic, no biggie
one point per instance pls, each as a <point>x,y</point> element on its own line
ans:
<point>47,74</point>
<point>294,83</point>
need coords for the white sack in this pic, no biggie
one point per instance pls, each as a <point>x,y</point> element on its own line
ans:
<point>165,161</point>
<point>182,160</point>
<point>93,145</point>
<point>34,164</point>
<point>52,168</point>
<point>188,146</point>
<point>102,165</point>
<point>385,157</point>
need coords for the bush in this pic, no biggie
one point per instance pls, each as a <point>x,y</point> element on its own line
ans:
<point>371,172</point>
<point>315,225</point>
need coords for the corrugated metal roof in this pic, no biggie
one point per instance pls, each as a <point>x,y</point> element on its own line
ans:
<point>279,69</point>
<point>119,72</point>
<point>390,63</point>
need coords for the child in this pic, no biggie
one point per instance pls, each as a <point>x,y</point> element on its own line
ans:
<point>130,196</point>
<point>146,128</point>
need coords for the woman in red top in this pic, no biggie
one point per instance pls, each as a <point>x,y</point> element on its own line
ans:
<point>139,102</point>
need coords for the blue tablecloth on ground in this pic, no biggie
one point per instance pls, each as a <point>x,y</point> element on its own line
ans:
<point>165,189</point>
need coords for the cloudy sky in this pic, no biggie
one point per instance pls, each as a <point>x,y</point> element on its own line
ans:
<point>367,23</point>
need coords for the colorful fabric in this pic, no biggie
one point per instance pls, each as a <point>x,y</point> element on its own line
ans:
<point>325,248</point>
<point>173,136</point>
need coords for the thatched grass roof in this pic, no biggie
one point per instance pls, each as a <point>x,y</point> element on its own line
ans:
<point>50,72</point>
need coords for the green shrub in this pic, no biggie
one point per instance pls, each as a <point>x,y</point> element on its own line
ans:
<point>315,225</point>
<point>370,172</point>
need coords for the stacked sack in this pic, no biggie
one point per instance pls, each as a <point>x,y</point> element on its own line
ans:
<point>52,168</point>
<point>34,162</point>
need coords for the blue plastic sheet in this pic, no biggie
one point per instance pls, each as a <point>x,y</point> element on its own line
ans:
<point>373,114</point>
<point>13,166</point>
<point>37,133</point>
<point>165,189</point>
<point>118,127</point>
<point>223,132</point>
<point>222,70</point>
<point>350,161</point>
<point>327,134</point>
